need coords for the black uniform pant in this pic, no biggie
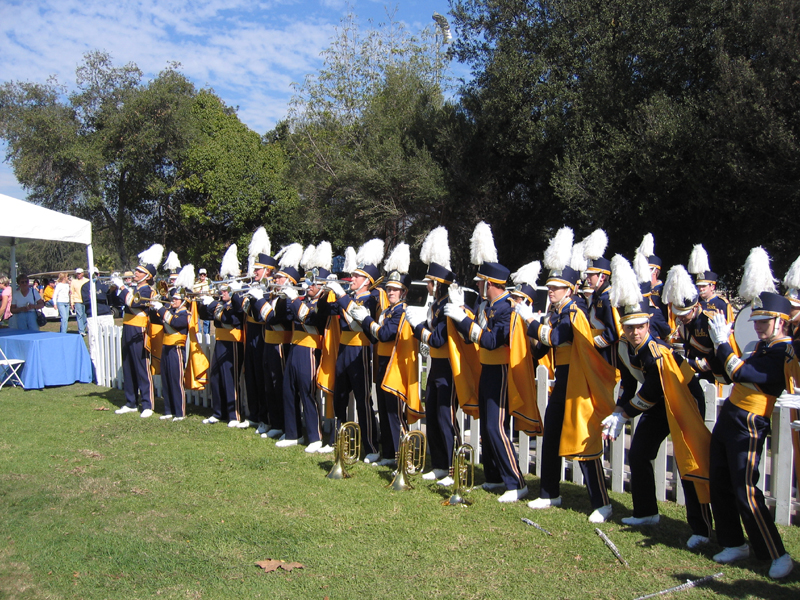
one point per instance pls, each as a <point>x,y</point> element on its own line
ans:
<point>353,374</point>
<point>651,430</point>
<point>254,376</point>
<point>224,377</point>
<point>274,364</point>
<point>550,443</point>
<point>498,456</point>
<point>136,368</point>
<point>300,388</point>
<point>172,385</point>
<point>736,445</point>
<point>440,413</point>
<point>391,411</point>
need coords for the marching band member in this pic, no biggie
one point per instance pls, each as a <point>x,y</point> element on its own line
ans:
<point>226,362</point>
<point>792,284</point>
<point>309,317</point>
<point>491,332</point>
<point>601,314</point>
<point>659,326</point>
<point>137,377</point>
<point>670,401</point>
<point>647,249</point>
<point>706,282</point>
<point>391,410</point>
<point>744,421</point>
<point>584,382</point>
<point>353,362</point>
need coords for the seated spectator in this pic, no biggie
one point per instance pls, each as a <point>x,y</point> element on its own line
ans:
<point>47,293</point>
<point>61,299</point>
<point>25,301</point>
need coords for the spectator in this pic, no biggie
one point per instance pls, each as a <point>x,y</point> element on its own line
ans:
<point>202,286</point>
<point>61,299</point>
<point>76,300</point>
<point>25,301</point>
<point>47,293</point>
<point>5,302</point>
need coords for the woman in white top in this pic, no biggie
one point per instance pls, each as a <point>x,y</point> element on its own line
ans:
<point>61,300</point>
<point>24,304</point>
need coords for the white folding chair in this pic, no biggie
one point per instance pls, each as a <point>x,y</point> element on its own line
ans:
<point>10,370</point>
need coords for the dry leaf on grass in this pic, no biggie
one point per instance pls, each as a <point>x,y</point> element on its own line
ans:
<point>101,408</point>
<point>270,565</point>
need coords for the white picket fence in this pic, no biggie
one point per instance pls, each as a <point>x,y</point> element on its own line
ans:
<point>777,462</point>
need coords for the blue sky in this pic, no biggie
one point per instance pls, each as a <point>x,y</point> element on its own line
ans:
<point>248,51</point>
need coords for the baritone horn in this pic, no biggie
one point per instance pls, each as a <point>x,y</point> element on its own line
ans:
<point>410,459</point>
<point>348,449</point>
<point>463,474</point>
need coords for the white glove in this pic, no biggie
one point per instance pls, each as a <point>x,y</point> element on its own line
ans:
<point>156,305</point>
<point>524,311</point>
<point>718,330</point>
<point>235,286</point>
<point>336,288</point>
<point>206,300</point>
<point>454,312</point>
<point>117,281</point>
<point>456,294</point>
<point>612,425</point>
<point>256,293</point>
<point>415,316</point>
<point>289,292</point>
<point>358,312</point>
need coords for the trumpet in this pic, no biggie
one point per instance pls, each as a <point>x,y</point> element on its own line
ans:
<point>410,460</point>
<point>463,474</point>
<point>348,450</point>
<point>242,279</point>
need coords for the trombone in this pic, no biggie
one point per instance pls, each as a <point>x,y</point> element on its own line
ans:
<point>162,294</point>
<point>410,460</point>
<point>348,450</point>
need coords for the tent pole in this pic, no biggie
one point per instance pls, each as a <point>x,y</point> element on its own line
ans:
<point>12,268</point>
<point>94,346</point>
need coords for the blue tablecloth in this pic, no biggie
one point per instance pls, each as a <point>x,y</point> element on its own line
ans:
<point>50,358</point>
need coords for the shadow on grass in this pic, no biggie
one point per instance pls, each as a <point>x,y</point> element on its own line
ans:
<point>740,588</point>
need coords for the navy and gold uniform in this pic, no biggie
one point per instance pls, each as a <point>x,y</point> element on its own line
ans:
<point>699,349</point>
<point>137,377</point>
<point>173,354</point>
<point>277,342</point>
<point>602,315</point>
<point>643,365</point>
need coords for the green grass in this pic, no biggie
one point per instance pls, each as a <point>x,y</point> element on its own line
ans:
<point>98,505</point>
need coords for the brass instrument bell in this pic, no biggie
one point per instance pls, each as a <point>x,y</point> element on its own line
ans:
<point>348,450</point>
<point>410,459</point>
<point>463,474</point>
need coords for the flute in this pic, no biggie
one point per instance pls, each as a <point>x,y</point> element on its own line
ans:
<point>611,545</point>
<point>684,586</point>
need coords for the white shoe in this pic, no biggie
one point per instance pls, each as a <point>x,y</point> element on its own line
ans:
<point>274,433</point>
<point>781,567</point>
<point>210,421</point>
<point>695,541</point>
<point>176,419</point>
<point>732,554</point>
<point>371,458</point>
<point>243,424</point>
<point>544,503</point>
<point>124,409</point>
<point>263,436</point>
<point>146,413</point>
<point>313,447</point>
<point>493,486</point>
<point>513,495</point>
<point>284,443</point>
<point>651,520</point>
<point>233,424</point>
<point>261,429</point>
<point>601,514</point>
<point>324,449</point>
<point>435,474</point>
<point>386,462</point>
<point>446,481</point>
<point>165,417</point>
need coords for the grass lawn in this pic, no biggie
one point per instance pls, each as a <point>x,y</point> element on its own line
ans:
<point>98,505</point>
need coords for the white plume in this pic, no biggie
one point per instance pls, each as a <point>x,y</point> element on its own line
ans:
<point>172,263</point>
<point>323,256</point>
<point>436,248</point>
<point>280,253</point>
<point>641,266</point>
<point>595,244</point>
<point>558,253</point>
<point>185,278</point>
<point>290,255</point>
<point>230,263</point>
<point>260,243</point>
<point>648,246</point>
<point>251,265</point>
<point>308,257</point>
<point>698,260</point>
<point>757,276</point>
<point>578,261</point>
<point>399,259</point>
<point>624,285</point>
<point>481,245</point>
<point>350,262</point>
<point>527,274</point>
<point>792,279</point>
<point>679,289</point>
<point>371,253</point>
<point>152,256</point>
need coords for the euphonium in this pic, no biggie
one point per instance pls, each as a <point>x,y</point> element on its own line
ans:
<point>463,474</point>
<point>348,449</point>
<point>410,459</point>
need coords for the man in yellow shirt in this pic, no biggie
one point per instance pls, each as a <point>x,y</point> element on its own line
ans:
<point>76,300</point>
